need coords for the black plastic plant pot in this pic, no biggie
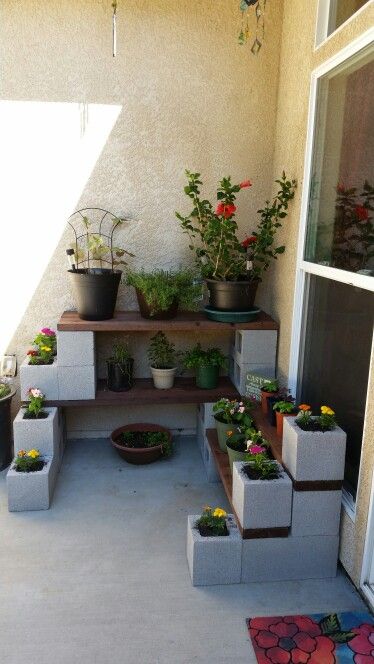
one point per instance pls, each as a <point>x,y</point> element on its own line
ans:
<point>271,413</point>
<point>6,431</point>
<point>207,377</point>
<point>120,376</point>
<point>95,292</point>
<point>232,295</point>
<point>147,312</point>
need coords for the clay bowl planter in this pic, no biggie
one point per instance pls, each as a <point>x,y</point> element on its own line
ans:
<point>138,455</point>
<point>147,312</point>
<point>279,417</point>
<point>232,295</point>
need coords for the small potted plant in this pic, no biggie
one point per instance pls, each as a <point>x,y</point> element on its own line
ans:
<point>239,444</point>
<point>142,443</point>
<point>213,536</point>
<point>45,347</point>
<point>261,491</point>
<point>231,415</point>
<point>207,364</point>
<point>161,293</point>
<point>40,365</point>
<point>282,409</point>
<point>269,389</point>
<point>163,358</point>
<point>29,482</point>
<point>120,369</point>
<point>314,446</point>
<point>34,409</point>
<point>7,393</point>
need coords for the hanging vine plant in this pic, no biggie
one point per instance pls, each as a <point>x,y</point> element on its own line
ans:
<point>259,7</point>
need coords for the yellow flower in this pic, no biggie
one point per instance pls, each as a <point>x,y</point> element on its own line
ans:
<point>46,348</point>
<point>326,410</point>
<point>34,454</point>
<point>219,512</point>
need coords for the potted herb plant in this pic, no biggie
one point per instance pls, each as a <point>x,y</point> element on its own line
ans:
<point>142,443</point>
<point>120,369</point>
<point>269,389</point>
<point>163,358</point>
<point>207,364</point>
<point>7,393</point>
<point>233,268</point>
<point>239,444</point>
<point>160,293</point>
<point>282,409</point>
<point>94,262</point>
<point>213,536</point>
<point>230,415</point>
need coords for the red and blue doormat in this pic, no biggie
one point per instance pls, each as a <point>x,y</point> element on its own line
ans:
<point>337,638</point>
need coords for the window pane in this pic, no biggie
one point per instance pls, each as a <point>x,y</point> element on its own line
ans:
<point>340,229</point>
<point>336,361</point>
<point>341,10</point>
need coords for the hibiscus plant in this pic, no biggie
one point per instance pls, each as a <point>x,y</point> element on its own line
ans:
<point>213,231</point>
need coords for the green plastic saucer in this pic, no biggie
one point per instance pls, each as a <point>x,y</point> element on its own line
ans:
<point>231,316</point>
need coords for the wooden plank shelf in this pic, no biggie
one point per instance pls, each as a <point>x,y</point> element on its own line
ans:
<point>143,392</point>
<point>131,321</point>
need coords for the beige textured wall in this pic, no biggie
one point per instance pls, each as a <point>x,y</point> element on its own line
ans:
<point>298,59</point>
<point>86,129</point>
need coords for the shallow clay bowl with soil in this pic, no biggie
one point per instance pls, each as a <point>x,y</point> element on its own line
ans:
<point>138,455</point>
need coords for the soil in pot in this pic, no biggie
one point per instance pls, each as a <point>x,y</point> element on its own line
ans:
<point>120,376</point>
<point>207,377</point>
<point>38,362</point>
<point>95,292</point>
<point>30,416</point>
<point>147,312</point>
<point>313,425</point>
<point>38,465</point>
<point>253,474</point>
<point>207,532</point>
<point>135,448</point>
<point>232,295</point>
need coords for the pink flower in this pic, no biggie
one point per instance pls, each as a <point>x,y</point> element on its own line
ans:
<point>48,332</point>
<point>245,184</point>
<point>241,409</point>
<point>256,449</point>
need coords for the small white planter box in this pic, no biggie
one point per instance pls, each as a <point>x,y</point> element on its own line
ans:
<point>261,503</point>
<point>214,560</point>
<point>42,434</point>
<point>31,491</point>
<point>313,455</point>
<point>43,376</point>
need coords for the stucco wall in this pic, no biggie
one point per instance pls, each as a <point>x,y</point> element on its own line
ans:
<point>298,35</point>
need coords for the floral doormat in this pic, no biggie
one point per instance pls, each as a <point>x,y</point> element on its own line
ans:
<point>338,638</point>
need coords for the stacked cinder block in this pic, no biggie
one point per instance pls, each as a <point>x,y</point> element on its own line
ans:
<point>253,351</point>
<point>205,420</point>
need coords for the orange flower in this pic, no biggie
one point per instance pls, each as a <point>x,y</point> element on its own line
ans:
<point>229,433</point>
<point>304,407</point>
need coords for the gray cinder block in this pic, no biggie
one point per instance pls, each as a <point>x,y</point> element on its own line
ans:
<point>76,383</point>
<point>205,410</point>
<point>238,373</point>
<point>256,346</point>
<point>42,434</point>
<point>31,491</point>
<point>214,560</point>
<point>289,558</point>
<point>316,512</point>
<point>313,455</point>
<point>75,349</point>
<point>43,376</point>
<point>261,503</point>
<point>209,462</point>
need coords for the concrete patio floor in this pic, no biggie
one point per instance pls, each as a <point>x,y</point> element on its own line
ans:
<point>102,578</point>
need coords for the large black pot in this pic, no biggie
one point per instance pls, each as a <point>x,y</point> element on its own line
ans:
<point>146,311</point>
<point>120,376</point>
<point>5,431</point>
<point>232,295</point>
<point>95,292</point>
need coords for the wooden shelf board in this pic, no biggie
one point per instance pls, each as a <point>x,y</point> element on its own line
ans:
<point>131,321</point>
<point>143,392</point>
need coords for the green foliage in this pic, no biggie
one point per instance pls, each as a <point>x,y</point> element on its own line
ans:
<point>160,288</point>
<point>270,386</point>
<point>121,353</point>
<point>263,467</point>
<point>36,402</point>
<point>4,390</point>
<point>284,406</point>
<point>162,353</point>
<point>242,440</point>
<point>234,412</point>
<point>212,523</point>
<point>28,462</point>
<point>213,232</point>
<point>353,241</point>
<point>142,439</point>
<point>197,357</point>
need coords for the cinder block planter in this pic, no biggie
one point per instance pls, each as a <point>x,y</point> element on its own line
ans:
<point>44,434</point>
<point>316,513</point>
<point>261,503</point>
<point>43,376</point>
<point>75,349</point>
<point>256,346</point>
<point>205,412</point>
<point>289,558</point>
<point>209,461</point>
<point>214,560</point>
<point>76,383</point>
<point>313,455</point>
<point>31,491</point>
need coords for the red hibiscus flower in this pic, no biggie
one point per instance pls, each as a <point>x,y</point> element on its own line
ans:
<point>362,212</point>
<point>248,241</point>
<point>363,644</point>
<point>290,640</point>
<point>245,184</point>
<point>225,210</point>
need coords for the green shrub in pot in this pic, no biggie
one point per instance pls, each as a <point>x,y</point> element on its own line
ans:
<point>206,364</point>
<point>161,293</point>
<point>120,368</point>
<point>163,358</point>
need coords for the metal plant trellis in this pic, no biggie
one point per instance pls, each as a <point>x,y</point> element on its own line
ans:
<point>245,34</point>
<point>91,248</point>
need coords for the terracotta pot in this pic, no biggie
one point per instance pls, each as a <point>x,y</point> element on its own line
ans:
<point>279,419</point>
<point>264,400</point>
<point>140,455</point>
<point>146,311</point>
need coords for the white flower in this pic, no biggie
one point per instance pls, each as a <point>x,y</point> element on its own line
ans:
<point>249,444</point>
<point>232,411</point>
<point>241,409</point>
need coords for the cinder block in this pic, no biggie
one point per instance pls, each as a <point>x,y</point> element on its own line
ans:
<point>316,513</point>
<point>289,558</point>
<point>76,383</point>
<point>43,376</point>
<point>256,346</point>
<point>31,491</point>
<point>238,373</point>
<point>199,431</point>
<point>75,349</point>
<point>209,462</point>
<point>205,411</point>
<point>42,434</point>
<point>261,503</point>
<point>313,455</point>
<point>214,560</point>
